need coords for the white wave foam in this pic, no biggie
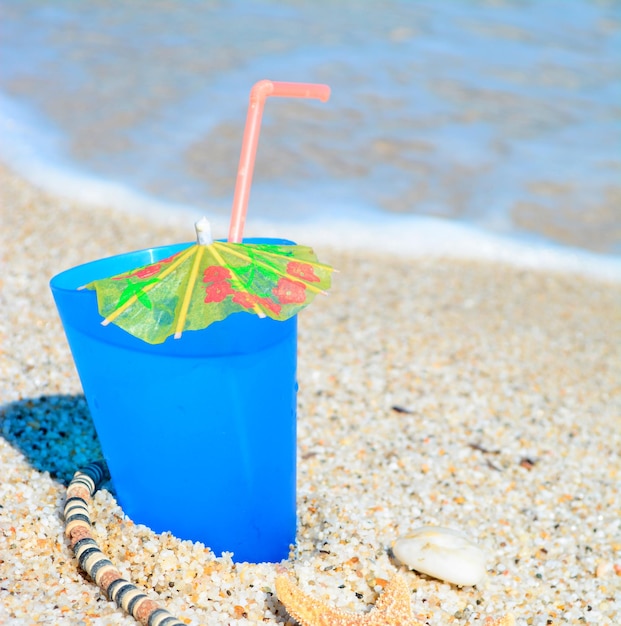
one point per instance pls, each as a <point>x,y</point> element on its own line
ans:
<point>415,236</point>
<point>33,152</point>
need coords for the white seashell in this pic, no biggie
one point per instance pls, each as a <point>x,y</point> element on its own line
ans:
<point>442,553</point>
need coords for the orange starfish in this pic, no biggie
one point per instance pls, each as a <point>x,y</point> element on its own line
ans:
<point>392,609</point>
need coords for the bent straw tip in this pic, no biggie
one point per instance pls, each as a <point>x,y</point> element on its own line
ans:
<point>323,93</point>
<point>262,89</point>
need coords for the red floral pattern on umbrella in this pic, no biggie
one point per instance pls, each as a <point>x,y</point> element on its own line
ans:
<point>289,291</point>
<point>302,270</point>
<point>217,292</point>
<point>216,274</point>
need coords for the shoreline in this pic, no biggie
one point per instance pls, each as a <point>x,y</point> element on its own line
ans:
<point>407,236</point>
<point>509,378</point>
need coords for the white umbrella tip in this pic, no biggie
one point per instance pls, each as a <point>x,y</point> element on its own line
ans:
<point>203,232</point>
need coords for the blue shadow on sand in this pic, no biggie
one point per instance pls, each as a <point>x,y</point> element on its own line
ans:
<point>55,433</point>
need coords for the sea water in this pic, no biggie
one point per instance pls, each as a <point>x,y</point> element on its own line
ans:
<point>477,128</point>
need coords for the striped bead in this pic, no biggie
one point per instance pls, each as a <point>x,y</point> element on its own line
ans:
<point>78,490</point>
<point>75,505</point>
<point>116,586</point>
<point>95,563</point>
<point>83,517</point>
<point>83,548</point>
<point>163,618</point>
<point>76,524</point>
<point>105,574</point>
<point>83,480</point>
<point>128,598</point>
<point>133,607</point>
<point>97,472</point>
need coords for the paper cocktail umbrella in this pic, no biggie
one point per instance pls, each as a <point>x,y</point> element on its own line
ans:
<point>210,280</point>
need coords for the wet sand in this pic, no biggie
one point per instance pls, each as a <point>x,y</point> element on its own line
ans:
<point>479,396</point>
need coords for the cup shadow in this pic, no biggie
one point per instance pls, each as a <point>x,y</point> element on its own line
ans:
<point>55,433</point>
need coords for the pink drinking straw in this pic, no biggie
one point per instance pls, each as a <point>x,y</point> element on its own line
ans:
<point>258,93</point>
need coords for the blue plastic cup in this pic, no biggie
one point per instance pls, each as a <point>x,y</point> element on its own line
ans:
<point>199,433</point>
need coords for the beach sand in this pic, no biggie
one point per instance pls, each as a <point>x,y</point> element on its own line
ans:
<point>507,384</point>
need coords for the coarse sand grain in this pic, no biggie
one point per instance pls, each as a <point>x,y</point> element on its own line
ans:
<point>473,395</point>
